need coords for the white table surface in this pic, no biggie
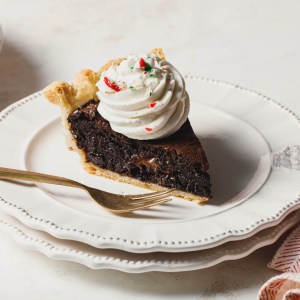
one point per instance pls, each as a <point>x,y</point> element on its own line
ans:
<point>252,43</point>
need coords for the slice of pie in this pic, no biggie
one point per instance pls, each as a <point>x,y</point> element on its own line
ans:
<point>129,122</point>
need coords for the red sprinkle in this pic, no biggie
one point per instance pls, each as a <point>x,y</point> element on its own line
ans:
<point>152,104</point>
<point>111,84</point>
<point>148,129</point>
<point>142,63</point>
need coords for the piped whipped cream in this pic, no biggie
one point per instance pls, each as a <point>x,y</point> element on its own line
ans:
<point>143,97</point>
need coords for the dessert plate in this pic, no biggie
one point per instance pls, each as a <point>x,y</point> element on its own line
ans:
<point>241,131</point>
<point>95,258</point>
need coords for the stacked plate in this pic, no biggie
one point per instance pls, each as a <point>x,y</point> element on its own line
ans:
<point>251,143</point>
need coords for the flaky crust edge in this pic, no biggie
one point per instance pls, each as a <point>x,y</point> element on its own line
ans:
<point>71,96</point>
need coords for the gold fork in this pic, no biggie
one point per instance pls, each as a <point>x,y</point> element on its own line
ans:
<point>113,202</point>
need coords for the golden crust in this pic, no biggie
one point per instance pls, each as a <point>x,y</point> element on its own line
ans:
<point>159,52</point>
<point>62,94</point>
<point>110,63</point>
<point>69,97</point>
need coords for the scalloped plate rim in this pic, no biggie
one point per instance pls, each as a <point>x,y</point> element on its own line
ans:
<point>218,254</point>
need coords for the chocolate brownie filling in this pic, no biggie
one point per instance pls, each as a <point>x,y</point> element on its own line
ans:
<point>177,161</point>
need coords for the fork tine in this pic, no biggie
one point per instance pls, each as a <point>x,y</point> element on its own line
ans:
<point>139,207</point>
<point>141,201</point>
<point>130,204</point>
<point>149,195</point>
<point>150,204</point>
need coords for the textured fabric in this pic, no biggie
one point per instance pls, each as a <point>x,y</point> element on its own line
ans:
<point>283,287</point>
<point>287,257</point>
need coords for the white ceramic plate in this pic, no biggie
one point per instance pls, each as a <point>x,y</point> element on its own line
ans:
<point>239,129</point>
<point>95,258</point>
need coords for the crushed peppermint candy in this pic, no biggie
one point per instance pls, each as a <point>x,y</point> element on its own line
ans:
<point>145,65</point>
<point>142,63</point>
<point>111,84</point>
<point>152,104</point>
<point>148,128</point>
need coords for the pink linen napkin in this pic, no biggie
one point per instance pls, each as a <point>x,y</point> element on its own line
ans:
<point>287,259</point>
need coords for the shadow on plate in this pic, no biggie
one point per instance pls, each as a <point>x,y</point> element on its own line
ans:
<point>230,171</point>
<point>17,182</point>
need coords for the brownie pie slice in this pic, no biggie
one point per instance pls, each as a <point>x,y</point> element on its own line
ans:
<point>157,149</point>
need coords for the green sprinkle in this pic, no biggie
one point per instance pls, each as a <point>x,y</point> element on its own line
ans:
<point>148,67</point>
<point>132,67</point>
<point>150,94</point>
<point>131,87</point>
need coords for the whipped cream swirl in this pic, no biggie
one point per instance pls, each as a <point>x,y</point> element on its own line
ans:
<point>143,97</point>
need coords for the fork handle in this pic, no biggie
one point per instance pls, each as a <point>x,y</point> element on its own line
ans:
<point>14,174</point>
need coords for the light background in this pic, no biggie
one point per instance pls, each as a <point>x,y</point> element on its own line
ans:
<point>255,44</point>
